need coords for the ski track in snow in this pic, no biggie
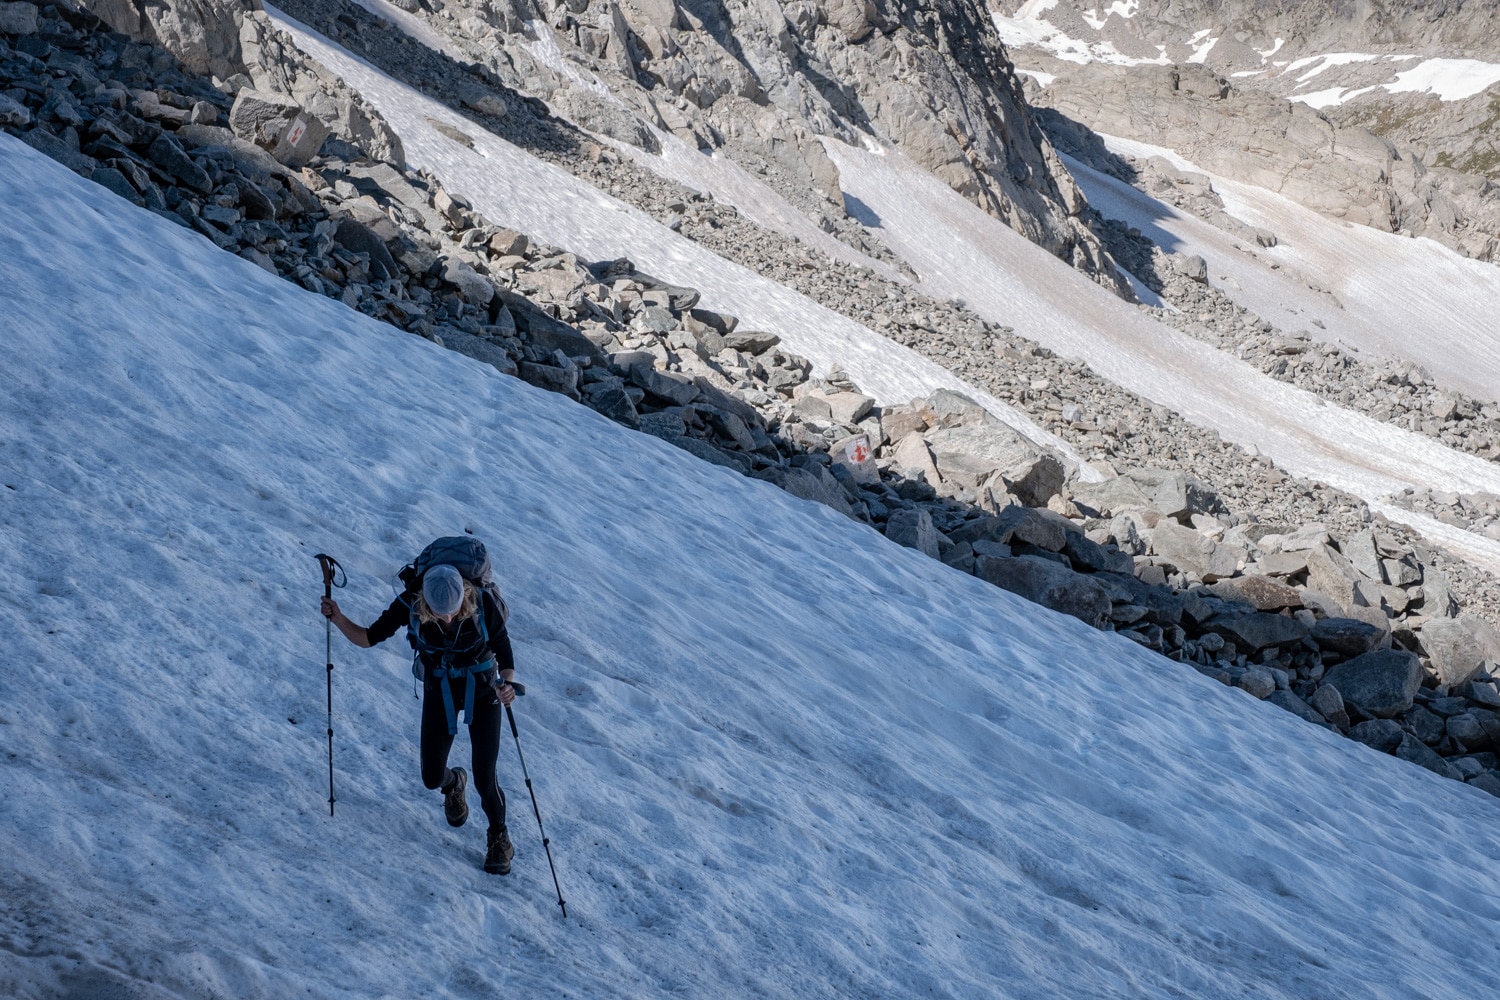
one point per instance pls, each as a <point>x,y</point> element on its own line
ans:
<point>776,755</point>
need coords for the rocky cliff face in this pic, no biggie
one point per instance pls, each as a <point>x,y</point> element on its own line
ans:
<point>234,43</point>
<point>1375,113</point>
<point>755,80</point>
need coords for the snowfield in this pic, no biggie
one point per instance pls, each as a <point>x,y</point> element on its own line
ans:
<point>776,755</point>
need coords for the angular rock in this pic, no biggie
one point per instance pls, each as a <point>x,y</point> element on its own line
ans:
<point>1415,751</point>
<point>1289,701</point>
<point>473,286</point>
<point>810,483</point>
<point>113,180</point>
<point>1384,735</point>
<point>1437,594</point>
<point>257,116</point>
<point>1489,781</point>
<point>1033,526</point>
<point>1328,572</point>
<point>1088,555</point>
<point>300,140</point>
<point>1329,703</point>
<point>718,456</point>
<point>1470,731</point>
<point>480,350</point>
<point>615,403</point>
<point>675,389</point>
<point>13,112</point>
<point>43,141</point>
<point>1263,592</point>
<point>1163,607</point>
<point>1283,563</point>
<point>849,408</point>
<point>914,529</point>
<point>1347,636</point>
<point>1452,650</point>
<point>752,342</point>
<point>1362,555</point>
<point>356,237</point>
<point>913,460</point>
<point>1044,582</point>
<point>551,378</point>
<point>970,454</point>
<point>855,455</point>
<point>1191,551</point>
<point>1257,681</point>
<point>1175,494</point>
<point>18,18</point>
<point>1381,684</point>
<point>1260,630</point>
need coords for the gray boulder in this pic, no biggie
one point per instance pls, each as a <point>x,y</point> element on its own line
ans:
<point>1263,592</point>
<point>300,140</point>
<point>356,237</point>
<point>1451,649</point>
<point>1329,572</point>
<point>1415,751</point>
<point>1382,684</point>
<point>1384,735</point>
<point>1257,681</point>
<point>1163,606</point>
<point>1329,703</point>
<point>970,454</point>
<point>260,117</point>
<point>1260,630</point>
<point>18,18</point>
<point>1193,552</point>
<point>813,483</point>
<point>1437,594</point>
<point>13,112</point>
<point>1049,584</point>
<point>914,529</point>
<point>1347,636</point>
<point>1175,494</point>
<point>1301,709</point>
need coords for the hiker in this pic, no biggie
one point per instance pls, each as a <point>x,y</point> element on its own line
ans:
<point>463,656</point>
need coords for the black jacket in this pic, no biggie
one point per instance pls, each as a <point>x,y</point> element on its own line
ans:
<point>463,639</point>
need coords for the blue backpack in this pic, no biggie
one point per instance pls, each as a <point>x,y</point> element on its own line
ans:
<point>467,555</point>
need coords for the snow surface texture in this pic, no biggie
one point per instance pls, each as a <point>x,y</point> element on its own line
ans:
<point>509,187</point>
<point>961,251</point>
<point>776,755</point>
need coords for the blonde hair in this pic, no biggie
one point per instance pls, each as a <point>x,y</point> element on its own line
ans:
<point>465,610</point>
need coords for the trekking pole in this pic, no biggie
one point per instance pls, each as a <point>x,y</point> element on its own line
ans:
<point>546,844</point>
<point>329,565</point>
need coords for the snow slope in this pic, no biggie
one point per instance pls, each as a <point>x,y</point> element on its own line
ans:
<point>1380,293</point>
<point>962,252</point>
<point>776,755</point>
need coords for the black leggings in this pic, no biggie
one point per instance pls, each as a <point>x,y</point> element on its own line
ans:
<point>484,740</point>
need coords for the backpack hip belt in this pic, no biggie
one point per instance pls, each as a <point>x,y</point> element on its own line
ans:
<point>447,672</point>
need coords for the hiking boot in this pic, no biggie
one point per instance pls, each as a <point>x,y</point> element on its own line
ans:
<point>498,853</point>
<point>455,805</point>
